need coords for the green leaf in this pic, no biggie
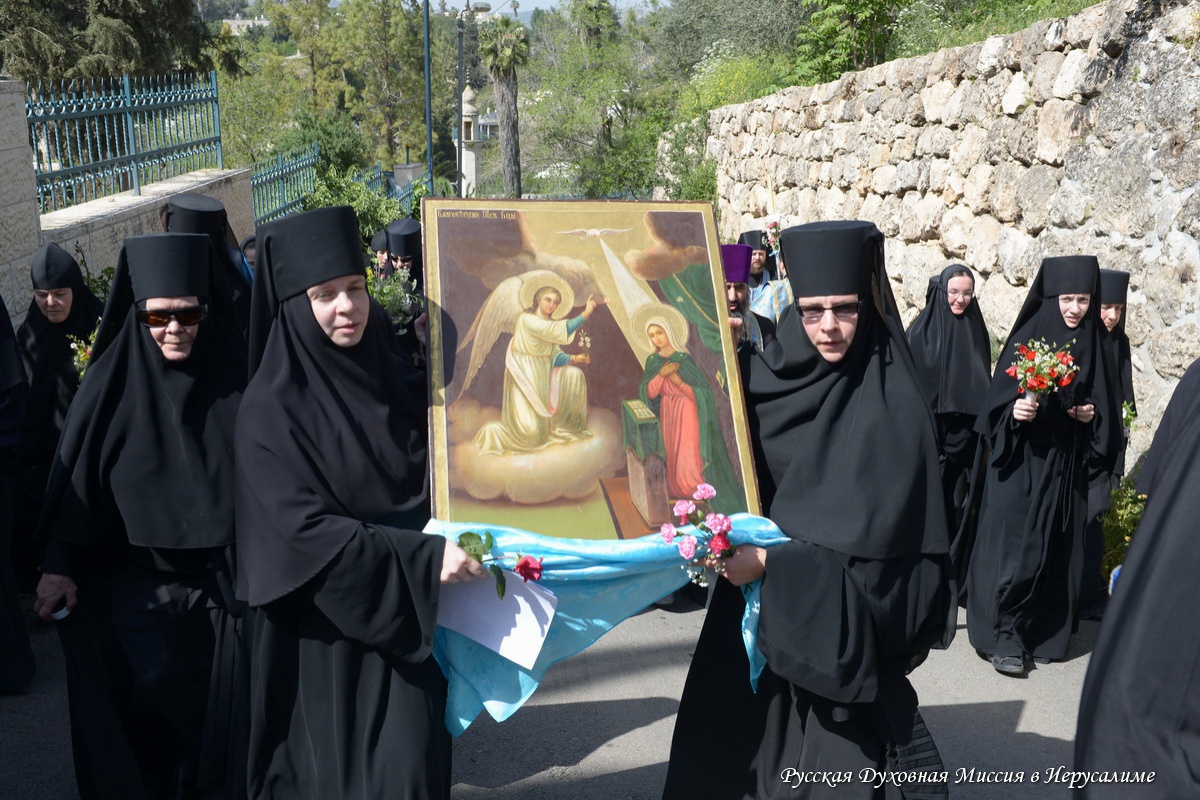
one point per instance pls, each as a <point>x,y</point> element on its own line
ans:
<point>498,574</point>
<point>473,545</point>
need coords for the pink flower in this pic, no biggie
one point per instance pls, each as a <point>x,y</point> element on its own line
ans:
<point>668,532</point>
<point>683,508</point>
<point>719,545</point>
<point>705,491</point>
<point>718,523</point>
<point>529,568</point>
<point>687,547</point>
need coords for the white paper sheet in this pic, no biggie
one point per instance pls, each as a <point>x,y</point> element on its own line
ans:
<point>514,627</point>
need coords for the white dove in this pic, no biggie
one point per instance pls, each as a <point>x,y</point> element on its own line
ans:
<point>593,233</point>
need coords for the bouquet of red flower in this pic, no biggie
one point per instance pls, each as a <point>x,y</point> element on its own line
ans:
<point>1041,367</point>
<point>712,539</point>
<point>771,236</point>
<point>480,548</point>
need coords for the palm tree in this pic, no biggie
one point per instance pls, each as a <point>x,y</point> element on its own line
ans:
<point>503,46</point>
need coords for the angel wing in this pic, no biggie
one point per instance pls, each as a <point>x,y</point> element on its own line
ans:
<point>498,315</point>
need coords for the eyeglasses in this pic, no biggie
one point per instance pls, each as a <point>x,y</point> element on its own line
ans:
<point>161,318</point>
<point>956,293</point>
<point>843,311</point>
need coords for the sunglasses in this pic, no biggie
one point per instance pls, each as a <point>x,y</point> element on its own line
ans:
<point>160,318</point>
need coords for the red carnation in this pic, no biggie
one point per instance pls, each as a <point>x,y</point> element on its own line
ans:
<point>529,568</point>
<point>719,545</point>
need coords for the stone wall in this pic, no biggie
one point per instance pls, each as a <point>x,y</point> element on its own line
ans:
<point>1077,135</point>
<point>91,231</point>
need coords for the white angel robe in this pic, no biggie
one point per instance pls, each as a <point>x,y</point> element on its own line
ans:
<point>545,398</point>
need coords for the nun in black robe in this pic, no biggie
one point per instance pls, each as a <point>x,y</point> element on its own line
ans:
<point>952,355</point>
<point>332,494</point>
<point>1025,572</point>
<point>1114,291</point>
<point>138,516</point>
<point>198,213</point>
<point>865,588</point>
<point>1140,707</point>
<point>16,657</point>
<point>53,380</point>
<point>1184,406</point>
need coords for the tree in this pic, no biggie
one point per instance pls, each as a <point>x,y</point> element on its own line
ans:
<point>313,26</point>
<point>340,144</point>
<point>62,39</point>
<point>843,35</point>
<point>593,106</point>
<point>504,47</point>
<point>383,41</point>
<point>256,109</point>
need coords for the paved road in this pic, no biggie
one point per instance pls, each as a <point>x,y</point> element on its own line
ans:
<point>600,726</point>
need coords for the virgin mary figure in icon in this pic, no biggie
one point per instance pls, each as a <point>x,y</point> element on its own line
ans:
<point>679,395</point>
<point>544,400</point>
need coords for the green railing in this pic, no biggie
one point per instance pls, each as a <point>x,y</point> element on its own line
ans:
<point>93,138</point>
<point>278,185</point>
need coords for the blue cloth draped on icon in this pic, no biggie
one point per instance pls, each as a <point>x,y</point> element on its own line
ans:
<point>598,584</point>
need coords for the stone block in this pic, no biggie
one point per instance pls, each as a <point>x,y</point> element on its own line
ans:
<point>1070,207</point>
<point>978,188</point>
<point>1059,124</point>
<point>1174,349</point>
<point>1083,27</point>
<point>1000,301</point>
<point>1056,34</point>
<point>952,190</point>
<point>990,55</point>
<point>1003,202</point>
<point>889,215</point>
<point>871,208</point>
<point>879,155</point>
<point>1045,73</point>
<point>934,99</point>
<point>968,151</point>
<point>1111,35</point>
<point>1017,256</point>
<point>935,141</point>
<point>953,110</point>
<point>907,175</point>
<point>1033,44</point>
<point>939,170</point>
<point>1021,139</point>
<point>1017,96</point>
<point>920,216</point>
<point>882,178</point>
<point>1081,76</point>
<point>1034,193</point>
<point>955,230</point>
<point>983,243</point>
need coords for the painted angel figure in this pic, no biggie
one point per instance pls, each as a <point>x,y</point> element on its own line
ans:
<point>544,400</point>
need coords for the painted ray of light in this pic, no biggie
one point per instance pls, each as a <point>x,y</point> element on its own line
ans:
<point>619,283</point>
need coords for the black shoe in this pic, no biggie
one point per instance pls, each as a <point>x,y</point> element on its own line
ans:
<point>1008,665</point>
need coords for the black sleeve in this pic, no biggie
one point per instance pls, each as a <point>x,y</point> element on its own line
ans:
<point>382,590</point>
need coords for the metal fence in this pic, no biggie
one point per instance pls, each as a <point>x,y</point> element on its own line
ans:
<point>93,138</point>
<point>279,185</point>
<point>381,182</point>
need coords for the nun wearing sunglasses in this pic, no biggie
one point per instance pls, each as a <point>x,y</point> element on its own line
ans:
<point>138,523</point>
